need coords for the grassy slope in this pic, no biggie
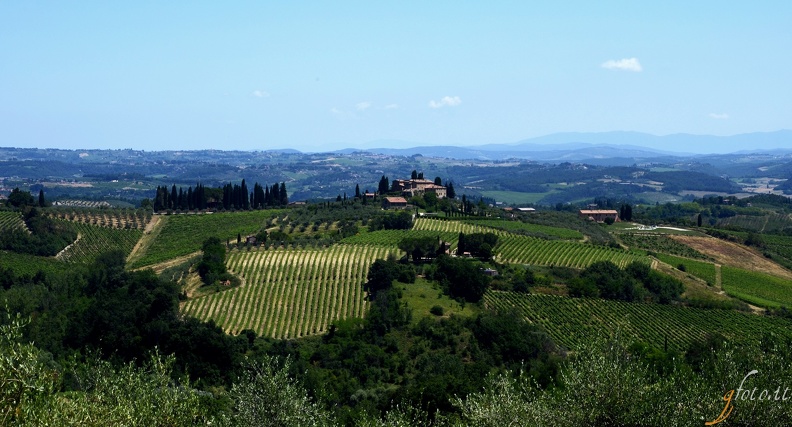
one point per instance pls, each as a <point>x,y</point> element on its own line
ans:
<point>184,234</point>
<point>757,288</point>
<point>422,295</point>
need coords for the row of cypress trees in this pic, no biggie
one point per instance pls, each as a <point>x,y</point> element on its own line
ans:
<point>230,196</point>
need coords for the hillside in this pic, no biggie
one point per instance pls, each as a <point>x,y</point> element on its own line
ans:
<point>322,284</point>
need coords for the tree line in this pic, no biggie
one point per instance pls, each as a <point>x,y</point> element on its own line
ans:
<point>230,196</point>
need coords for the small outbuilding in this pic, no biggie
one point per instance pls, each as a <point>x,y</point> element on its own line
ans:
<point>394,202</point>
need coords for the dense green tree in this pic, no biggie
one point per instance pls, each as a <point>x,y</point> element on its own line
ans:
<point>381,275</point>
<point>401,220</point>
<point>44,236</point>
<point>477,244</point>
<point>625,212</point>
<point>420,247</point>
<point>450,193</point>
<point>382,188</point>
<point>284,195</point>
<point>463,278</point>
<point>212,265</point>
<point>637,282</point>
<point>19,198</point>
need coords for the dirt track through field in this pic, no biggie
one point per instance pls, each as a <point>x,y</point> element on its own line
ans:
<point>158,268</point>
<point>149,234</point>
<point>735,255</point>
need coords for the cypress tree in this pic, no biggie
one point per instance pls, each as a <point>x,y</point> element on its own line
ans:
<point>450,193</point>
<point>174,198</point>
<point>244,199</point>
<point>284,196</point>
<point>383,185</point>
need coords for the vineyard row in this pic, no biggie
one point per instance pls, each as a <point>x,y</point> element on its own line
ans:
<point>290,293</point>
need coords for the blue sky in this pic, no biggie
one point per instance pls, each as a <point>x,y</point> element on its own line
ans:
<point>325,75</point>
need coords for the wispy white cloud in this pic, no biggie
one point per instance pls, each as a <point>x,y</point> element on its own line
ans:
<point>391,106</point>
<point>626,64</point>
<point>446,101</point>
<point>362,106</point>
<point>261,94</point>
<point>342,114</point>
<point>719,116</point>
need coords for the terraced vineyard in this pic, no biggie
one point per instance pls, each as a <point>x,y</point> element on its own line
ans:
<point>756,288</point>
<point>453,226</point>
<point>782,245</point>
<point>93,240</point>
<point>572,321</point>
<point>702,270</point>
<point>761,223</point>
<point>111,218</point>
<point>11,220</point>
<point>511,248</point>
<point>291,293</point>
<point>518,226</point>
<point>184,234</point>
<point>497,226</point>
<point>528,250</point>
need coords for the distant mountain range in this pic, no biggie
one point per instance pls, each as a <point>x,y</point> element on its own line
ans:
<point>627,146</point>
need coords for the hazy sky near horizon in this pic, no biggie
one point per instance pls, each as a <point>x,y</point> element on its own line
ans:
<point>325,75</point>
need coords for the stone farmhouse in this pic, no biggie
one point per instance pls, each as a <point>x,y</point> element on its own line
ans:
<point>599,215</point>
<point>413,187</point>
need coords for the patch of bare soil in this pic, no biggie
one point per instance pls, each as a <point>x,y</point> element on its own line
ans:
<point>159,268</point>
<point>192,284</point>
<point>733,254</point>
<point>155,219</point>
<point>59,255</point>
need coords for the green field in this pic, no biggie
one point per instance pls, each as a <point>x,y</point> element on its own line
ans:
<point>703,270</point>
<point>29,265</point>
<point>756,288</point>
<point>289,293</point>
<point>422,295</point>
<point>572,321</point>
<point>515,197</point>
<point>184,234</point>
